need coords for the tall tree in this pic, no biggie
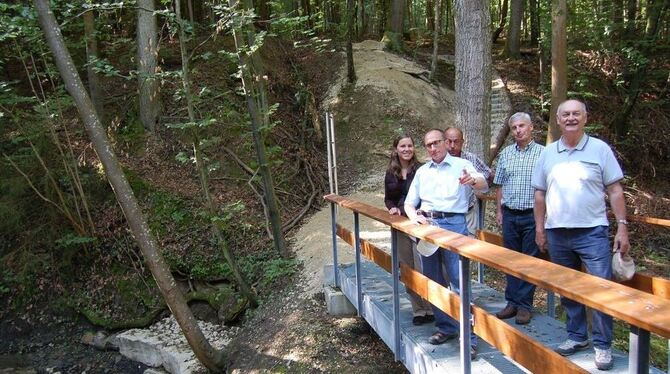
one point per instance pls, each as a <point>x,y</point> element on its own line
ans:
<point>534,9</point>
<point>202,168</point>
<point>513,42</point>
<point>253,85</point>
<point>501,22</point>
<point>559,63</point>
<point>473,73</point>
<point>397,22</point>
<point>617,18</point>
<point>91,56</point>
<point>212,358</point>
<point>436,39</point>
<point>147,56</point>
<point>631,18</point>
<point>351,73</point>
<point>360,17</point>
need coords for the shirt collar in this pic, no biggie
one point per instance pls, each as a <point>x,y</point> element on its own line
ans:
<point>445,161</point>
<point>530,144</point>
<point>580,146</point>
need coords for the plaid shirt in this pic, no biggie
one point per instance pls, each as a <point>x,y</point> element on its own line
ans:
<point>481,167</point>
<point>514,173</point>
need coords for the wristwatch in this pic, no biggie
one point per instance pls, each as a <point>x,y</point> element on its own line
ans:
<point>623,221</point>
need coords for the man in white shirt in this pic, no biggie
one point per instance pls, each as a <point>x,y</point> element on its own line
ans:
<point>441,189</point>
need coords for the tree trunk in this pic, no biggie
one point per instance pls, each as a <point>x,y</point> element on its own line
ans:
<point>351,73</point>
<point>254,91</point>
<point>501,23</point>
<point>631,17</point>
<point>430,15</point>
<point>617,18</point>
<point>534,22</point>
<point>436,39</point>
<point>513,42</point>
<point>212,358</point>
<point>360,17</point>
<point>147,55</point>
<point>397,16</point>
<point>559,62</point>
<point>92,54</point>
<point>473,73</point>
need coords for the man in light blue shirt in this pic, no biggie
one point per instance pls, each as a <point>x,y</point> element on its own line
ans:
<point>441,189</point>
<point>571,179</point>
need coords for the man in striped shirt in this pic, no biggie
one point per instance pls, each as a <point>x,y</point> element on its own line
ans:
<point>514,202</point>
<point>453,137</point>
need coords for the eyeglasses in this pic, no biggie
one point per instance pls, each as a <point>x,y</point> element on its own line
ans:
<point>433,144</point>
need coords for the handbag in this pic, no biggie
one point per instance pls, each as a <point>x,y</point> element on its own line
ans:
<point>623,267</point>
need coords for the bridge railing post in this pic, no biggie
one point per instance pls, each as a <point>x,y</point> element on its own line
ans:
<point>551,304</point>
<point>638,356</point>
<point>465,329</point>
<point>333,222</point>
<point>395,272</point>
<point>481,208</point>
<point>359,281</point>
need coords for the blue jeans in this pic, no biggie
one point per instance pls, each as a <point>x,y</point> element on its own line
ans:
<point>432,268</point>
<point>572,248</point>
<point>519,235</point>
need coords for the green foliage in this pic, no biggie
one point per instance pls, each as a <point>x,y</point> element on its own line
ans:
<point>71,240</point>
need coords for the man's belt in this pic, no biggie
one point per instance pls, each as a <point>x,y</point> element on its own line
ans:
<point>436,214</point>
<point>518,212</point>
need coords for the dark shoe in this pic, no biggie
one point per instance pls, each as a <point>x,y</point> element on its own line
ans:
<point>440,337</point>
<point>473,353</point>
<point>570,346</point>
<point>429,318</point>
<point>522,316</point>
<point>419,320</point>
<point>508,312</point>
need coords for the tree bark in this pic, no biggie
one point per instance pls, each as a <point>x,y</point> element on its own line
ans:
<point>436,39</point>
<point>147,55</point>
<point>397,16</point>
<point>212,358</point>
<point>430,15</point>
<point>559,62</point>
<point>513,41</point>
<point>617,18</point>
<point>631,17</point>
<point>351,73</point>
<point>534,22</point>
<point>502,22</point>
<point>473,73</point>
<point>254,91</point>
<point>360,17</point>
<point>92,54</point>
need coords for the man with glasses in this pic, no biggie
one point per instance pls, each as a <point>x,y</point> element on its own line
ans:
<point>571,179</point>
<point>441,189</point>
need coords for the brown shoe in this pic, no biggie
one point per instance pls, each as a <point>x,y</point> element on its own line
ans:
<point>508,312</point>
<point>522,316</point>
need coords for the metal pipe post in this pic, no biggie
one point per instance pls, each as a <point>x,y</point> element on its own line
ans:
<point>551,304</point>
<point>332,139</point>
<point>464,285</point>
<point>481,208</point>
<point>357,244</point>
<point>329,153</point>
<point>395,272</point>
<point>333,220</point>
<point>638,356</point>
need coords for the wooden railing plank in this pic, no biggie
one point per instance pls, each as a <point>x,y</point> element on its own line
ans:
<point>643,282</point>
<point>521,348</point>
<point>638,308</point>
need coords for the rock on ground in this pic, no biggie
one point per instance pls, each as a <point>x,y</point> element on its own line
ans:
<point>164,345</point>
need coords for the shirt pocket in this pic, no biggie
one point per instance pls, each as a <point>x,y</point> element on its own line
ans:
<point>592,169</point>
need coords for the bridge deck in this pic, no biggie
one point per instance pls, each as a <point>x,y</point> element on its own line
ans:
<point>421,357</point>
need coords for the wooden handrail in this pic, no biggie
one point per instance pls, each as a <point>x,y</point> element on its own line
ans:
<point>520,347</point>
<point>630,217</point>
<point>646,283</point>
<point>649,312</point>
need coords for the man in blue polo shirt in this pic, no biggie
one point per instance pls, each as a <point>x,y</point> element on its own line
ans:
<point>441,189</point>
<point>571,179</point>
<point>514,210</point>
